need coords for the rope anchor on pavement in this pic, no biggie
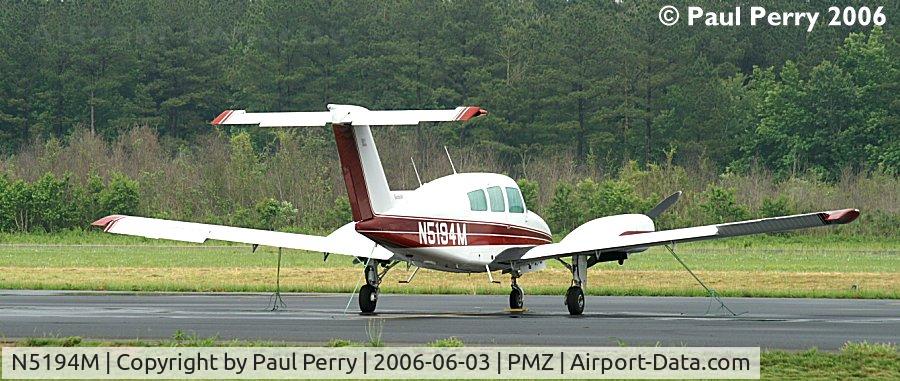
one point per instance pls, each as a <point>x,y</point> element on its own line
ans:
<point>275,299</point>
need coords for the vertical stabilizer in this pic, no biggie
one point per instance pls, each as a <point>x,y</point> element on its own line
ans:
<point>367,185</point>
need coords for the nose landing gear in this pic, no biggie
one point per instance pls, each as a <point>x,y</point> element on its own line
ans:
<point>516,296</point>
<point>368,298</point>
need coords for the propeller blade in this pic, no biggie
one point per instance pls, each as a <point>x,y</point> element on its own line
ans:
<point>663,205</point>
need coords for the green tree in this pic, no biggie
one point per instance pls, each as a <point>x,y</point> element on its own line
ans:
<point>834,116</point>
<point>775,207</point>
<point>121,196</point>
<point>530,190</point>
<point>51,204</point>
<point>563,213</point>
<point>618,197</point>
<point>18,202</point>
<point>7,205</point>
<point>274,214</point>
<point>719,206</point>
<point>602,80</point>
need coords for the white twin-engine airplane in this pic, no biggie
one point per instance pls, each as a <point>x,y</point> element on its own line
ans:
<point>466,222</point>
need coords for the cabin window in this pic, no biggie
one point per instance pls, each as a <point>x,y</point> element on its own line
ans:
<point>516,205</point>
<point>496,196</point>
<point>477,201</point>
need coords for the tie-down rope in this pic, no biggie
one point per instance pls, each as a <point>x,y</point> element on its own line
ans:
<point>712,292</point>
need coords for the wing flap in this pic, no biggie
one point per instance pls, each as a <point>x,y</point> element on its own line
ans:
<point>345,244</point>
<point>633,241</point>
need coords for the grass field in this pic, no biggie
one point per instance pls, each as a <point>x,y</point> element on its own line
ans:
<point>853,361</point>
<point>798,266</point>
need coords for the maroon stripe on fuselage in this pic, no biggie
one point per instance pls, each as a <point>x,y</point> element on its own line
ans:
<point>351,168</point>
<point>412,240</point>
<point>402,231</point>
<point>500,224</point>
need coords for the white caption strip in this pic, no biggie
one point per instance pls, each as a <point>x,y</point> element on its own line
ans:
<point>379,363</point>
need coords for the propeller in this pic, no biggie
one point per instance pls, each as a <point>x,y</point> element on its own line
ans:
<point>663,205</point>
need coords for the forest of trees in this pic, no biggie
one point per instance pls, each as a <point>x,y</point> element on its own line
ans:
<point>575,89</point>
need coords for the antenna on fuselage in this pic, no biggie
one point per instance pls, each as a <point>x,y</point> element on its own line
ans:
<point>451,160</point>
<point>419,179</point>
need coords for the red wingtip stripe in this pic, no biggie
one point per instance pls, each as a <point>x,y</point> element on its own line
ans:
<point>221,118</point>
<point>107,221</point>
<point>471,112</point>
<point>841,216</point>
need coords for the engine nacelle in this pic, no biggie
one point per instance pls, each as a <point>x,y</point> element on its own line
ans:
<point>618,225</point>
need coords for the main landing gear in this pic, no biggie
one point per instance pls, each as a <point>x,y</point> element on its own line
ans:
<point>575,300</point>
<point>368,293</point>
<point>575,293</point>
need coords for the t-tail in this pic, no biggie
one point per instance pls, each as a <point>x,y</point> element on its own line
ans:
<point>367,186</point>
<point>363,174</point>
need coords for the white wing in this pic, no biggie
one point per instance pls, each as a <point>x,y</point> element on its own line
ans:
<point>345,241</point>
<point>635,241</point>
<point>346,114</point>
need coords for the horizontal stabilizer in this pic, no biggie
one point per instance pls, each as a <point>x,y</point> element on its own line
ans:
<point>273,119</point>
<point>345,114</point>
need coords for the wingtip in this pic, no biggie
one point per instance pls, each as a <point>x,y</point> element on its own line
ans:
<point>472,112</point>
<point>842,216</point>
<point>107,221</point>
<point>221,118</point>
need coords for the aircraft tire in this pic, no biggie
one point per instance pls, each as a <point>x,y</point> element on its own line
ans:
<point>516,298</point>
<point>368,298</point>
<point>575,300</point>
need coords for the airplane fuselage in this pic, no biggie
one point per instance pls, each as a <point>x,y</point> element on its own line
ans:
<point>457,223</point>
